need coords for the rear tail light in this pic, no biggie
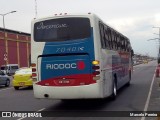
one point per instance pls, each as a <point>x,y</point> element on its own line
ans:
<point>34,75</point>
<point>96,73</point>
<point>33,65</point>
<point>33,69</point>
<point>95,62</point>
<point>96,69</point>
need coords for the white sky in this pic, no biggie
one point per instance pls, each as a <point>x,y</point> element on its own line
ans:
<point>134,19</point>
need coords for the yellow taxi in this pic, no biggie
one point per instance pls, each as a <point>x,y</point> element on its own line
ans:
<point>22,78</point>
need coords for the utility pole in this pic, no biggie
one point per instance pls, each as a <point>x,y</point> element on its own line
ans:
<point>35,8</point>
<point>158,42</point>
<point>4,30</point>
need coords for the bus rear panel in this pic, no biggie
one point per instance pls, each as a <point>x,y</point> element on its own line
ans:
<point>62,54</point>
<point>78,57</point>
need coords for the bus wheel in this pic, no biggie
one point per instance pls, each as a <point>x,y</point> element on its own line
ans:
<point>114,92</point>
<point>128,83</point>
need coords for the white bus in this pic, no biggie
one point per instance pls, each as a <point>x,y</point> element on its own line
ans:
<point>78,57</point>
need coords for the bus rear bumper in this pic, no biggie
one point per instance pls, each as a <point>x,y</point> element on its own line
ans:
<point>70,92</point>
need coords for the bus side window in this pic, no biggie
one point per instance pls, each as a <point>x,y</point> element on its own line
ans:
<point>110,39</point>
<point>129,47</point>
<point>126,45</point>
<point>101,28</point>
<point>115,44</point>
<point>118,43</point>
<point>123,43</point>
<point>106,39</point>
<point>114,40</point>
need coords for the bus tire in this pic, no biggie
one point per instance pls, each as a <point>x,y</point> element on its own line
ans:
<point>128,83</point>
<point>114,91</point>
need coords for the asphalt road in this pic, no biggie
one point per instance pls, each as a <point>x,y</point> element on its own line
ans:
<point>142,94</point>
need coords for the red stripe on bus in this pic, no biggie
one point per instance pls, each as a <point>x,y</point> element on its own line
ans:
<point>71,80</point>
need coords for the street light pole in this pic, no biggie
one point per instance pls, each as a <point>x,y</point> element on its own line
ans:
<point>4,30</point>
<point>158,60</point>
<point>158,39</point>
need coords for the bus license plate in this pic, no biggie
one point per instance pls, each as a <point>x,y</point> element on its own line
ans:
<point>63,81</point>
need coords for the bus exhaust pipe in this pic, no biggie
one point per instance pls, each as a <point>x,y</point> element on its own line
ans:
<point>46,95</point>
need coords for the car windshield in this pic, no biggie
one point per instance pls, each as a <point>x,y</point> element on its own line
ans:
<point>3,68</point>
<point>14,67</point>
<point>24,71</point>
<point>1,73</point>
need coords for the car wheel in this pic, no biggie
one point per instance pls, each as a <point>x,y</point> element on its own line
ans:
<point>16,88</point>
<point>7,83</point>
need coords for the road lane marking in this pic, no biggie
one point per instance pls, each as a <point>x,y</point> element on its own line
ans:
<point>41,109</point>
<point>6,88</point>
<point>22,118</point>
<point>149,96</point>
<point>34,112</point>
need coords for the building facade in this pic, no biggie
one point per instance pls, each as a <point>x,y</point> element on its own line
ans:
<point>15,47</point>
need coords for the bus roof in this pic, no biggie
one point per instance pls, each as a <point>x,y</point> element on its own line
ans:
<point>65,15</point>
<point>62,15</point>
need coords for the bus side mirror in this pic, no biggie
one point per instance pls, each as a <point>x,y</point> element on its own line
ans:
<point>158,60</point>
<point>132,53</point>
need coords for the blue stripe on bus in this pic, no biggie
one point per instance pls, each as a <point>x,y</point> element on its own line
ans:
<point>72,46</point>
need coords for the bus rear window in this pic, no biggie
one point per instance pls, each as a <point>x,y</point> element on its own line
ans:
<point>62,29</point>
